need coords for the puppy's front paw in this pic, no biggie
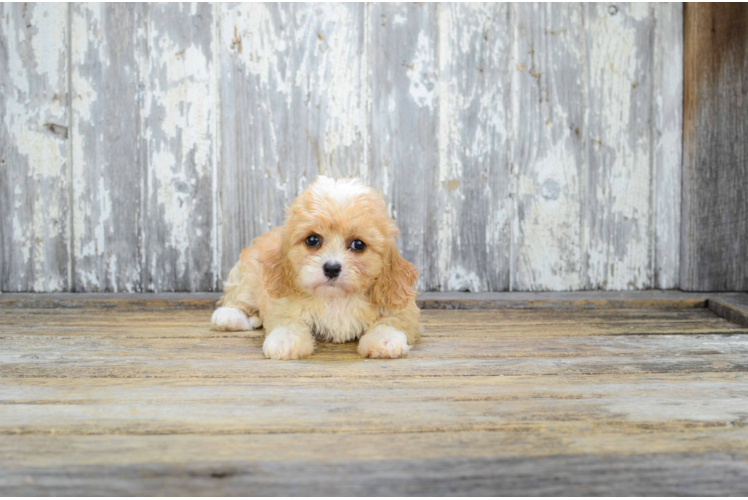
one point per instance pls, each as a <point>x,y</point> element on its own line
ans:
<point>229,319</point>
<point>383,342</point>
<point>284,343</point>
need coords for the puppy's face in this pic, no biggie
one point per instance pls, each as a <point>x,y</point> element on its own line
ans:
<point>338,240</point>
<point>338,234</point>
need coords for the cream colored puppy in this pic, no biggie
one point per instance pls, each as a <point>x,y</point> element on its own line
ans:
<point>332,271</point>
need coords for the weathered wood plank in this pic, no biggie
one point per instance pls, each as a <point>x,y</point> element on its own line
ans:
<point>549,124</point>
<point>34,150</point>
<point>453,353</point>
<point>254,366</point>
<point>471,246</point>
<point>180,127</point>
<point>426,300</point>
<point>714,242</point>
<point>625,404</point>
<point>703,474</point>
<point>390,93</point>
<point>49,451</point>
<point>667,141</point>
<point>404,70</point>
<point>293,105</point>
<point>108,165</point>
<point>109,301</point>
<point>561,300</point>
<point>439,342</point>
<point>731,307</point>
<point>618,220</point>
<point>94,314</point>
<point>157,323</point>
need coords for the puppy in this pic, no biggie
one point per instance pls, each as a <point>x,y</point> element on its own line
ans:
<point>331,272</point>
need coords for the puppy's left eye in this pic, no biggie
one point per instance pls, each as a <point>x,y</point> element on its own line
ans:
<point>358,245</point>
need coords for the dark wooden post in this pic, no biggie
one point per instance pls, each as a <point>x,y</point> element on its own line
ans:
<point>714,236</point>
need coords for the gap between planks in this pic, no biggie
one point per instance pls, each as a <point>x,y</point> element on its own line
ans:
<point>426,300</point>
<point>731,306</point>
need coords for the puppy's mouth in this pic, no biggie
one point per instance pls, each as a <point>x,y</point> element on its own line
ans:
<point>332,283</point>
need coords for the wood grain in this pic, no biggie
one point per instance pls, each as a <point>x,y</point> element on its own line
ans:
<point>653,299</point>
<point>108,169</point>
<point>667,142</point>
<point>618,223</point>
<point>549,116</point>
<point>34,148</point>
<point>707,474</point>
<point>669,402</point>
<point>97,344</point>
<point>714,242</point>
<point>293,105</point>
<point>161,323</point>
<point>511,152</point>
<point>474,110</point>
<point>546,401</point>
<point>731,307</point>
<point>404,125</point>
<point>53,452</point>
<point>180,119</point>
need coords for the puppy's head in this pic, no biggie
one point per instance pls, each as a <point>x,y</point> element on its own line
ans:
<point>337,241</point>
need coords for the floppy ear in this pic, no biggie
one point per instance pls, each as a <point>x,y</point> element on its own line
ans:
<point>278,280</point>
<point>394,288</point>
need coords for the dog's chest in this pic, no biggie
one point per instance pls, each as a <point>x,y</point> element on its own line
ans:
<point>340,319</point>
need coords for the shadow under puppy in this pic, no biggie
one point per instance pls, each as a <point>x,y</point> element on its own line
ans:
<point>332,271</point>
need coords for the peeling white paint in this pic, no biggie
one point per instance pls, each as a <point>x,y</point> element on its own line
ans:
<point>307,73</point>
<point>94,222</point>
<point>83,99</point>
<point>550,256</point>
<point>339,67</point>
<point>549,129</point>
<point>21,233</point>
<point>450,136</point>
<point>183,90</point>
<point>668,133</point>
<point>460,279</point>
<point>468,147</point>
<point>624,147</point>
<point>50,26</point>
<point>217,225</point>
<point>45,152</point>
<point>422,81</point>
<point>640,11</point>
<point>34,115</point>
<point>365,75</point>
<point>249,33</point>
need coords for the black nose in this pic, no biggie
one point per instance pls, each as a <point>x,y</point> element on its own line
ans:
<point>331,269</point>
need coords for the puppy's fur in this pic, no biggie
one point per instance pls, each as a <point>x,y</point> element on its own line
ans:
<point>280,281</point>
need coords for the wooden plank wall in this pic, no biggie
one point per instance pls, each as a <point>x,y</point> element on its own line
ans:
<point>715,163</point>
<point>519,146</point>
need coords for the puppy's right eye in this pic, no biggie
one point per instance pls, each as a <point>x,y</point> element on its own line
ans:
<point>312,240</point>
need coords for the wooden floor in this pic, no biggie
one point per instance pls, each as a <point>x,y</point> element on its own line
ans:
<point>141,398</point>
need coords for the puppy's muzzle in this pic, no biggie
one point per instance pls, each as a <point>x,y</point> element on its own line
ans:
<point>332,269</point>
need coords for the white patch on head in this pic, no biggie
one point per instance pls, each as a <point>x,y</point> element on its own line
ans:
<point>230,319</point>
<point>383,342</point>
<point>285,343</point>
<point>340,190</point>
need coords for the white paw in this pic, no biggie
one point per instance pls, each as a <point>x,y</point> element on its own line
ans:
<point>255,322</point>
<point>383,342</point>
<point>229,319</point>
<point>284,343</point>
